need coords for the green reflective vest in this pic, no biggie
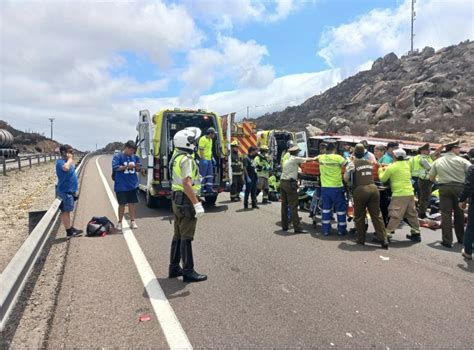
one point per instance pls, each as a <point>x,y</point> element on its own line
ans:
<point>330,166</point>
<point>263,166</point>
<point>177,177</point>
<point>205,145</point>
<point>417,169</point>
<point>399,174</point>
<point>284,158</point>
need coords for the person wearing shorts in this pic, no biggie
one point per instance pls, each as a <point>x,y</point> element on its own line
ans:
<point>125,166</point>
<point>66,188</point>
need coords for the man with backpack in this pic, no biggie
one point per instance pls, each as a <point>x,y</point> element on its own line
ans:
<point>125,166</point>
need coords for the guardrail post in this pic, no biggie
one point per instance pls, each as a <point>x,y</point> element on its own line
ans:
<point>45,158</point>
<point>18,159</point>
<point>29,160</point>
<point>38,159</point>
<point>50,157</point>
<point>4,166</point>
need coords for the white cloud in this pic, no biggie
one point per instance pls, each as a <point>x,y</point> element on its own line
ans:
<point>241,61</point>
<point>224,13</point>
<point>438,24</point>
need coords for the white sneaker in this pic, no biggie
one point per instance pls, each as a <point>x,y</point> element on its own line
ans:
<point>133,225</point>
<point>119,226</point>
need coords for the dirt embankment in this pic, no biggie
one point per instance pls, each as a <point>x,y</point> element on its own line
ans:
<point>21,192</point>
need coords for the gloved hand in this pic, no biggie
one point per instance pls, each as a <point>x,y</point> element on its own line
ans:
<point>248,180</point>
<point>199,210</point>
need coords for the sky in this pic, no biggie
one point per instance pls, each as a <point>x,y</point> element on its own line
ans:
<point>93,65</point>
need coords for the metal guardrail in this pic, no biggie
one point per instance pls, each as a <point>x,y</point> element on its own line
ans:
<point>15,275</point>
<point>25,161</point>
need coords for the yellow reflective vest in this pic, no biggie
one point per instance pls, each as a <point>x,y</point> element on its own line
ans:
<point>399,174</point>
<point>177,177</point>
<point>417,168</point>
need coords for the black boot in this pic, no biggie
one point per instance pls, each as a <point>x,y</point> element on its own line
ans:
<point>384,244</point>
<point>175,257</point>
<point>189,275</point>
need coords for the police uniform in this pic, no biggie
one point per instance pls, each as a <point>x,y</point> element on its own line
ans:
<point>366,196</point>
<point>332,192</point>
<point>183,166</point>
<point>237,176</point>
<point>263,167</point>
<point>289,190</point>
<point>450,173</point>
<point>402,204</point>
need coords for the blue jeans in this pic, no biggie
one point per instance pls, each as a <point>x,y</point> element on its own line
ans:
<point>207,173</point>
<point>333,197</point>
<point>469,232</point>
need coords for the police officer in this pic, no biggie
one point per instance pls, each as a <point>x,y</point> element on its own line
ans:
<point>285,154</point>
<point>186,207</point>
<point>450,172</point>
<point>366,196</point>
<point>237,172</point>
<point>263,166</point>
<point>420,167</point>
<point>332,189</point>
<point>289,189</point>
<point>402,204</point>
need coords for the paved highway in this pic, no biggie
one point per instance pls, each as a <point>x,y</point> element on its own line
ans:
<point>266,287</point>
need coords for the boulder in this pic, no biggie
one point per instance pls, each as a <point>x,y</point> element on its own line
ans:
<point>362,94</point>
<point>372,107</point>
<point>337,123</point>
<point>319,123</point>
<point>412,95</point>
<point>311,130</point>
<point>453,106</point>
<point>427,52</point>
<point>391,60</point>
<point>377,66</point>
<point>345,130</point>
<point>383,112</point>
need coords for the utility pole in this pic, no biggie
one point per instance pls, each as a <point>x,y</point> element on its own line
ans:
<point>413,15</point>
<point>248,112</point>
<point>52,121</point>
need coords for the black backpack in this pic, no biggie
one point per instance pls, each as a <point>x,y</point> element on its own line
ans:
<point>98,226</point>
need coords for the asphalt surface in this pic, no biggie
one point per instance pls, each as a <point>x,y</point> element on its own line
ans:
<point>266,287</point>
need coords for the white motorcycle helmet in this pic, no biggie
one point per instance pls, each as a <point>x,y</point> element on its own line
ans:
<point>195,130</point>
<point>185,139</point>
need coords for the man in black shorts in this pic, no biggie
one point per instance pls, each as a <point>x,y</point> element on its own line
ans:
<point>125,166</point>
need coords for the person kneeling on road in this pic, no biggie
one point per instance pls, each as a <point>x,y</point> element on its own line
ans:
<point>366,196</point>
<point>289,189</point>
<point>402,204</point>
<point>66,188</point>
<point>186,207</point>
<point>125,166</point>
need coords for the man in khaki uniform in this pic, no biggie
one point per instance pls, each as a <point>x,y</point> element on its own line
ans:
<point>450,172</point>
<point>289,189</point>
<point>366,196</point>
<point>187,208</point>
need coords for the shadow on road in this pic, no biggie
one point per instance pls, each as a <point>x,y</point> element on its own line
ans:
<point>354,247</point>
<point>172,287</point>
<point>216,208</point>
<point>469,267</point>
<point>437,245</point>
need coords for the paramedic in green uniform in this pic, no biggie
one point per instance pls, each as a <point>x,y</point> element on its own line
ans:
<point>186,206</point>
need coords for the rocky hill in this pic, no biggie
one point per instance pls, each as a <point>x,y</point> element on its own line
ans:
<point>30,142</point>
<point>112,147</point>
<point>427,95</point>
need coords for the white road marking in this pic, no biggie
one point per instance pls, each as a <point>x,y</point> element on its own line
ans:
<point>172,329</point>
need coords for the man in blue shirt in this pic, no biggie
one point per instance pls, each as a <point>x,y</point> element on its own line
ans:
<point>66,188</point>
<point>125,166</point>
